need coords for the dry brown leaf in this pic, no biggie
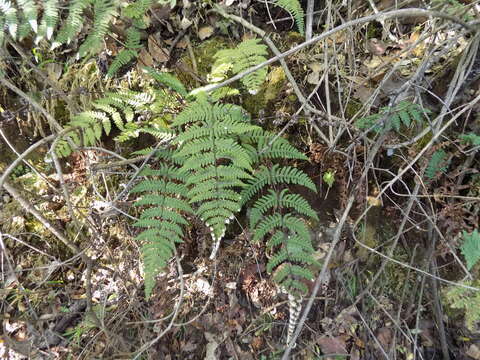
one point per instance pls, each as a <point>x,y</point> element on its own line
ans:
<point>157,52</point>
<point>474,352</point>
<point>332,345</point>
<point>145,58</point>
<point>376,47</point>
<point>205,32</point>
<point>384,336</point>
<point>313,78</point>
<point>54,71</point>
<point>363,93</point>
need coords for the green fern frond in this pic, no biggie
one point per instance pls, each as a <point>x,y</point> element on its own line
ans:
<point>247,54</point>
<point>222,93</point>
<point>104,11</point>
<point>216,165</point>
<point>295,9</point>
<point>2,33</point>
<point>73,23</point>
<point>30,12</point>
<point>8,13</point>
<point>467,300</point>
<point>403,113</point>
<point>436,164</point>
<point>49,19</point>
<point>269,146</point>
<point>138,9</point>
<point>282,200</point>
<point>275,176</point>
<point>471,248</point>
<point>164,194</point>
<point>471,139</point>
<point>168,80</point>
<point>117,107</point>
<point>128,54</point>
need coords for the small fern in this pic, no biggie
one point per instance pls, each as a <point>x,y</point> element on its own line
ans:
<point>263,145</point>
<point>8,17</point>
<point>437,164</point>
<point>136,12</point>
<point>168,80</point>
<point>290,240</point>
<point>104,11</point>
<point>295,9</point>
<point>132,44</point>
<point>275,175</point>
<point>471,248</point>
<point>470,139</point>
<point>247,54</point>
<point>165,198</point>
<point>49,20</point>
<point>117,107</point>
<point>403,113</point>
<point>73,24</point>
<point>468,300</point>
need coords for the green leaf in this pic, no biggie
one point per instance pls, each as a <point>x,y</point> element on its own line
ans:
<point>471,248</point>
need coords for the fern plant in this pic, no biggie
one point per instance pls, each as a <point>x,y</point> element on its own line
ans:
<point>118,108</point>
<point>27,17</point>
<point>471,248</point>
<point>437,164</point>
<point>295,9</point>
<point>467,300</point>
<point>165,195</point>
<point>245,55</point>
<point>470,139</point>
<point>404,113</point>
<point>132,44</point>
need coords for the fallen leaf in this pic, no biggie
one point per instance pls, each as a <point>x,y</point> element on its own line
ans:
<point>54,71</point>
<point>158,53</point>
<point>332,345</point>
<point>315,66</point>
<point>373,201</point>
<point>212,345</point>
<point>185,23</point>
<point>384,336</point>
<point>474,352</point>
<point>363,93</point>
<point>376,47</point>
<point>313,78</point>
<point>145,58</point>
<point>374,62</point>
<point>205,32</point>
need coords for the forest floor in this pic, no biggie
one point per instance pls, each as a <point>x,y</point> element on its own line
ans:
<point>389,289</point>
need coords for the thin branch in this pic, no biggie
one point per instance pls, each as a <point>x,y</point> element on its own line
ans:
<point>387,15</point>
<point>309,20</point>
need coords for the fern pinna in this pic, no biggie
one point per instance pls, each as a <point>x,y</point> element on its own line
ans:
<point>119,108</point>
<point>247,54</point>
<point>215,163</point>
<point>165,194</point>
<point>278,217</point>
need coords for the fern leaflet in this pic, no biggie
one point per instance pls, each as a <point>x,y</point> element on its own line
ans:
<point>436,164</point>
<point>295,9</point>
<point>164,218</point>
<point>471,248</point>
<point>247,54</point>
<point>216,165</point>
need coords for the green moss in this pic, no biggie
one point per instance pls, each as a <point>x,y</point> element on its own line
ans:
<point>276,80</point>
<point>254,103</point>
<point>352,108</point>
<point>204,53</point>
